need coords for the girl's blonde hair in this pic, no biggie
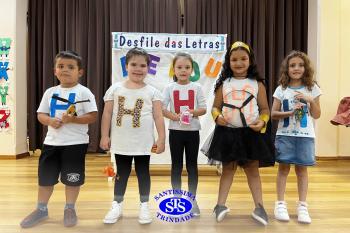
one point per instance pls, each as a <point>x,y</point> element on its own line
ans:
<point>308,76</point>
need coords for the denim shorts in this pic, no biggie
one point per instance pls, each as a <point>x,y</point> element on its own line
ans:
<point>295,150</point>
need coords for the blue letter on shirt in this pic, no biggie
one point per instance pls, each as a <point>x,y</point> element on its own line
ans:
<point>54,106</point>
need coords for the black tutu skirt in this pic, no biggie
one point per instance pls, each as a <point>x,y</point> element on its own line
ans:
<point>241,145</point>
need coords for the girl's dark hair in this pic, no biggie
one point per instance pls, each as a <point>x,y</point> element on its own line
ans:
<point>227,73</point>
<point>308,76</point>
<point>177,56</point>
<point>68,54</point>
<point>137,52</point>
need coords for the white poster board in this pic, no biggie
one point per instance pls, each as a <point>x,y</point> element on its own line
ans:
<point>207,51</point>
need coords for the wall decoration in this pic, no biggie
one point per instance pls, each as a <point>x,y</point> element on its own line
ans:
<point>4,121</point>
<point>4,93</point>
<point>5,112</point>
<point>5,45</point>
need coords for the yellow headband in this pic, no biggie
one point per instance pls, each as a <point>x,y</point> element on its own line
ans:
<point>239,44</point>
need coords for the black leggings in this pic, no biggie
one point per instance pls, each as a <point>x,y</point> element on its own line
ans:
<point>180,141</point>
<point>124,163</point>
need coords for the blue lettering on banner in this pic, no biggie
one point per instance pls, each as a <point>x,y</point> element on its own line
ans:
<point>121,40</point>
<point>169,42</point>
<point>123,65</point>
<point>142,42</point>
<point>54,106</point>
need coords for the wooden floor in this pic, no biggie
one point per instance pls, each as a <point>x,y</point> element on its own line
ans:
<point>329,200</point>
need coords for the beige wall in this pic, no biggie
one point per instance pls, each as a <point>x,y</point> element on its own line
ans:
<point>13,25</point>
<point>333,65</point>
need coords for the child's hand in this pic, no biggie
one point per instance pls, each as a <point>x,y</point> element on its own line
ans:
<point>55,123</point>
<point>257,125</point>
<point>160,146</point>
<point>105,143</point>
<point>67,118</point>
<point>221,121</point>
<point>291,113</point>
<point>300,96</point>
<point>176,117</point>
<point>298,106</point>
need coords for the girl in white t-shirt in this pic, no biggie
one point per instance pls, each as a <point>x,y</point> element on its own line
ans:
<point>131,110</point>
<point>296,103</point>
<point>186,103</point>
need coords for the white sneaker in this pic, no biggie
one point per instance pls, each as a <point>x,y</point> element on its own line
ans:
<point>303,213</point>
<point>145,213</point>
<point>114,213</point>
<point>281,211</point>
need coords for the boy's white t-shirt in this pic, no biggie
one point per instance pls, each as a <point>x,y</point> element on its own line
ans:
<point>182,97</point>
<point>132,124</point>
<point>291,126</point>
<point>70,133</point>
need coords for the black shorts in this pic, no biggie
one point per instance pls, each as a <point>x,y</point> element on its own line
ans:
<point>66,162</point>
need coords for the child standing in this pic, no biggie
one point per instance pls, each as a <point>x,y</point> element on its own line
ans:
<point>296,103</point>
<point>241,113</point>
<point>131,109</point>
<point>187,103</point>
<point>66,141</point>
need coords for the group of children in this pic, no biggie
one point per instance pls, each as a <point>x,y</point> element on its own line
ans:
<point>132,108</point>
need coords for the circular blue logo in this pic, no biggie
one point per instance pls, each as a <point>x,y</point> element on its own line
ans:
<point>175,206</point>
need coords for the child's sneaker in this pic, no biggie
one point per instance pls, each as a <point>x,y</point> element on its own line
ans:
<point>114,213</point>
<point>195,209</point>
<point>303,213</point>
<point>70,217</point>
<point>34,218</point>
<point>281,211</point>
<point>220,212</point>
<point>260,215</point>
<point>145,213</point>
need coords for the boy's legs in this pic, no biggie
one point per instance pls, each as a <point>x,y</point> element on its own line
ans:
<point>176,144</point>
<point>73,176</point>
<point>72,193</point>
<point>48,173</point>
<point>44,194</point>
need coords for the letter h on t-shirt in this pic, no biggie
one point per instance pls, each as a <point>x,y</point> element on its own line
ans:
<point>183,102</point>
